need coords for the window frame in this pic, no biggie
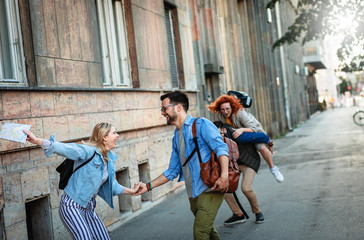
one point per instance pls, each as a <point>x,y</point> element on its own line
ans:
<point>15,44</point>
<point>177,45</point>
<point>113,33</point>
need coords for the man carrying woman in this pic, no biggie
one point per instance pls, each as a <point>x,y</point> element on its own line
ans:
<point>237,124</point>
<point>230,111</point>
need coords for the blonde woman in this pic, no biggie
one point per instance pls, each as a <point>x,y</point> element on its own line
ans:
<point>78,202</point>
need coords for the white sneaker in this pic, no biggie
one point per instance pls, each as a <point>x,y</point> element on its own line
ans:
<point>277,175</point>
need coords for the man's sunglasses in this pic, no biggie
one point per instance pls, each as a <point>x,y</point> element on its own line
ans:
<point>164,108</point>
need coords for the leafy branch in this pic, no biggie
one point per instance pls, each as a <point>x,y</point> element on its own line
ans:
<point>319,18</point>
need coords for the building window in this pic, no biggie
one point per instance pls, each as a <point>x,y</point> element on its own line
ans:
<point>174,46</point>
<point>269,15</point>
<point>310,51</point>
<point>144,176</point>
<point>114,49</point>
<point>125,201</point>
<point>39,218</point>
<point>12,67</point>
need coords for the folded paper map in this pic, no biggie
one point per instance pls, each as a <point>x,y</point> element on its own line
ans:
<point>14,132</point>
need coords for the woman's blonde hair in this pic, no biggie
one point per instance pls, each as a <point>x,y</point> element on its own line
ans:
<point>97,138</point>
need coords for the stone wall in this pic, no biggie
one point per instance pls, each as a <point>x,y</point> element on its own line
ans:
<point>66,97</point>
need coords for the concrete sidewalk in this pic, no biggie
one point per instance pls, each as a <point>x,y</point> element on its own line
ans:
<point>296,155</point>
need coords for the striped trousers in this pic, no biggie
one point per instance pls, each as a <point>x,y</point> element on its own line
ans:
<point>82,223</point>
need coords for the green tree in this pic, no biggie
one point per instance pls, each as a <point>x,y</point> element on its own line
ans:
<point>319,18</point>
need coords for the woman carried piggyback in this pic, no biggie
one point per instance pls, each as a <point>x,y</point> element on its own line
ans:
<point>78,202</point>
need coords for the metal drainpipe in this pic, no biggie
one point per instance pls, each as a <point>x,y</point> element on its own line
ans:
<point>285,88</point>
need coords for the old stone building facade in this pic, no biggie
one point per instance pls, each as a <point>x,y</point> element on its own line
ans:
<point>67,64</point>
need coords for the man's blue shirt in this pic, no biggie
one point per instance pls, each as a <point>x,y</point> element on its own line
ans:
<point>208,137</point>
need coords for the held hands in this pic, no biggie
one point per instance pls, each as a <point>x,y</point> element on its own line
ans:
<point>142,189</point>
<point>133,190</point>
<point>33,139</point>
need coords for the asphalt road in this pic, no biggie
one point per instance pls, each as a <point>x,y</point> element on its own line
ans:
<point>322,196</point>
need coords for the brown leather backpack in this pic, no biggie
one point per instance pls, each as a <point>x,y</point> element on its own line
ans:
<point>210,170</point>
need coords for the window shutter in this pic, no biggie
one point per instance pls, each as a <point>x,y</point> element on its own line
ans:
<point>171,48</point>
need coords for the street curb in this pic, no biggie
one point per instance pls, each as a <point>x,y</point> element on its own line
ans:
<point>145,207</point>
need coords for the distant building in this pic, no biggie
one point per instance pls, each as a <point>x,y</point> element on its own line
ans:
<point>320,58</point>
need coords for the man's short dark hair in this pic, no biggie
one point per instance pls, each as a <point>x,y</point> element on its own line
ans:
<point>177,97</point>
<point>219,124</point>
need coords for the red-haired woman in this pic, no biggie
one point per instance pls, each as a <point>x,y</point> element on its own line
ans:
<point>230,111</point>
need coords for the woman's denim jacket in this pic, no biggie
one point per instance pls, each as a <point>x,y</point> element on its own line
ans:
<point>208,137</point>
<point>85,182</point>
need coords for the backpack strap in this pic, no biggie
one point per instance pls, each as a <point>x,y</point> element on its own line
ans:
<point>83,164</point>
<point>196,149</point>
<point>194,132</point>
<point>241,207</point>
